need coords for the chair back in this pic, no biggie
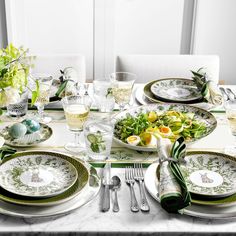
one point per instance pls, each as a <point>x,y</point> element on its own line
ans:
<point>52,64</point>
<point>152,67</point>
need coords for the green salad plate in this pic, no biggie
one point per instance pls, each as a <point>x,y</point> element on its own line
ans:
<point>177,119</point>
<point>43,134</point>
<point>176,90</point>
<point>77,181</point>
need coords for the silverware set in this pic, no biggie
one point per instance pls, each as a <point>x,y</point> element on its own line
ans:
<point>133,174</point>
<point>228,94</point>
<point>109,183</point>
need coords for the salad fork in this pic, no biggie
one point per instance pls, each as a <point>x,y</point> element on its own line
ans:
<point>129,179</point>
<point>138,176</point>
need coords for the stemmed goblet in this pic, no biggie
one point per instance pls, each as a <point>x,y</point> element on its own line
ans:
<point>44,86</point>
<point>76,112</point>
<point>122,85</point>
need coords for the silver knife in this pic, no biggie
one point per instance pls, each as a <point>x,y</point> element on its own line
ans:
<point>106,181</point>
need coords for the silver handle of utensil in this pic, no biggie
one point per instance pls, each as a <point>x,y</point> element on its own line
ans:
<point>134,204</point>
<point>232,93</point>
<point>106,199</point>
<point>224,94</point>
<point>144,203</point>
<point>116,207</point>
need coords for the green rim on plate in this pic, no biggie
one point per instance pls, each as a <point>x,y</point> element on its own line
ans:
<point>37,176</point>
<point>74,190</point>
<point>148,94</point>
<point>176,90</point>
<point>44,133</point>
<point>211,177</point>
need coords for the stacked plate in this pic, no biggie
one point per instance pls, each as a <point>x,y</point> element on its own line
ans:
<point>176,90</point>
<point>38,183</point>
<point>211,179</point>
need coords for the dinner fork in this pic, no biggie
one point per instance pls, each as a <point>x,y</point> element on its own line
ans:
<point>230,93</point>
<point>138,176</point>
<point>129,179</point>
<point>224,94</point>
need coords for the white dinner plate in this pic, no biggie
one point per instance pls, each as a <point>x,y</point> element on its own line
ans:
<point>208,212</point>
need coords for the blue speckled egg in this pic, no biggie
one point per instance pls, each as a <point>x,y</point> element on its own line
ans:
<point>17,130</point>
<point>31,125</point>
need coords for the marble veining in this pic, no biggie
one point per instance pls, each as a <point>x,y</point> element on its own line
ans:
<point>89,218</point>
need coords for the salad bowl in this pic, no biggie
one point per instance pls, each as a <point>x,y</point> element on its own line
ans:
<point>167,120</point>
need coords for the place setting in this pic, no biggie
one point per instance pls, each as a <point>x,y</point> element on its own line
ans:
<point>198,91</point>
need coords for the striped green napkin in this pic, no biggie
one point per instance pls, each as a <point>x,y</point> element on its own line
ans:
<point>209,88</point>
<point>173,192</point>
<point>6,151</point>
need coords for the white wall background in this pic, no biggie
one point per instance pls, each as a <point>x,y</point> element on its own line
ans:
<point>55,26</point>
<point>100,29</point>
<point>215,33</point>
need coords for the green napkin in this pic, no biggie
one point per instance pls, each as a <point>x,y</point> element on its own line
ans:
<point>209,88</point>
<point>173,192</point>
<point>6,151</point>
<point>61,88</point>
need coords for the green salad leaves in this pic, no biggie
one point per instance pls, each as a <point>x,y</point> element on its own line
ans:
<point>168,124</point>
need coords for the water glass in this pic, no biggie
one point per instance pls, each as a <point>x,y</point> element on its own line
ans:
<point>20,108</point>
<point>122,85</point>
<point>76,112</point>
<point>103,97</point>
<point>98,139</point>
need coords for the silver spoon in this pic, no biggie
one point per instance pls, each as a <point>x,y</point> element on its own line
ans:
<point>116,185</point>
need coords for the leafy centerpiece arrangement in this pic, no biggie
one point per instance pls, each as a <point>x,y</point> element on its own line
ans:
<point>14,74</point>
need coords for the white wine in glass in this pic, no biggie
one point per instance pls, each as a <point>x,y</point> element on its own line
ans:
<point>230,109</point>
<point>76,112</point>
<point>122,85</point>
<point>44,83</point>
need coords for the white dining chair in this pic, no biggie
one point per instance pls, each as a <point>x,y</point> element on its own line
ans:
<point>52,64</point>
<point>152,67</point>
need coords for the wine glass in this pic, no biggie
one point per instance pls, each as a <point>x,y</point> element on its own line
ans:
<point>230,109</point>
<point>122,85</point>
<point>44,86</point>
<point>76,112</point>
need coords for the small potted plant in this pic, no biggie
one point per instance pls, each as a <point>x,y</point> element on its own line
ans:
<point>14,73</point>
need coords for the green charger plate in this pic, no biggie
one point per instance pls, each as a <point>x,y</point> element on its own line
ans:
<point>73,191</point>
<point>148,94</point>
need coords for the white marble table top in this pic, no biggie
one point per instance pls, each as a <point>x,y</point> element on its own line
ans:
<point>89,218</point>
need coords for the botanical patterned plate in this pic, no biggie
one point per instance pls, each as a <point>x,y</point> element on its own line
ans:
<point>74,190</point>
<point>86,195</point>
<point>44,133</point>
<point>210,174</point>
<point>176,90</point>
<point>200,115</point>
<point>148,94</point>
<point>208,212</point>
<point>37,175</point>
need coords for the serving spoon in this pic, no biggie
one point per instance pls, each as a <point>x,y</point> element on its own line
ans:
<point>116,185</point>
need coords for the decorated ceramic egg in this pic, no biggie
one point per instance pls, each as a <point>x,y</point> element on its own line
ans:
<point>31,125</point>
<point>17,130</point>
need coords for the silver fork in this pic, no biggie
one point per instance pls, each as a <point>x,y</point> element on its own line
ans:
<point>138,176</point>
<point>224,94</point>
<point>129,179</point>
<point>231,94</point>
